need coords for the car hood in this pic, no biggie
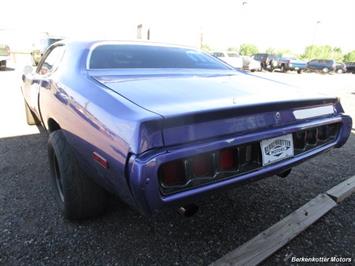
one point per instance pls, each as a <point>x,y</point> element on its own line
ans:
<point>173,93</point>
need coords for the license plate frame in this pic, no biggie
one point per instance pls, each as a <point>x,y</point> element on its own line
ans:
<point>276,149</point>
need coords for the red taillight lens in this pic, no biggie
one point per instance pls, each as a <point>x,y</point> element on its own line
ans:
<point>227,159</point>
<point>202,165</point>
<point>173,173</point>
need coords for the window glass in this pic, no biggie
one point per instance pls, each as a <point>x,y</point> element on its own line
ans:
<point>52,60</point>
<point>233,55</point>
<point>218,54</point>
<point>147,56</point>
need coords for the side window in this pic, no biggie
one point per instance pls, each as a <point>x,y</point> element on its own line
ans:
<point>52,60</point>
<point>218,54</point>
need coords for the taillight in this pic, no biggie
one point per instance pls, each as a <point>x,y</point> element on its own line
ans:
<point>314,137</point>
<point>189,172</point>
<point>173,174</point>
<point>202,165</point>
<point>227,159</point>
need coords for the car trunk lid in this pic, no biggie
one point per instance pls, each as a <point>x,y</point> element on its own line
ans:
<point>199,105</point>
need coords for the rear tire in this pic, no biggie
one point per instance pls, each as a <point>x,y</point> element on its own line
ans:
<point>299,71</point>
<point>283,68</point>
<point>3,65</point>
<point>31,118</point>
<point>77,195</point>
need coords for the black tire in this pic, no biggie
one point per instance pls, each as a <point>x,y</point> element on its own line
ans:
<point>31,118</point>
<point>3,65</point>
<point>77,195</point>
<point>325,70</point>
<point>340,71</point>
<point>299,71</point>
<point>283,68</point>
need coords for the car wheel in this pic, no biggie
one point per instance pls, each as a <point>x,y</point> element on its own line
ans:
<point>325,70</point>
<point>3,65</point>
<point>31,118</point>
<point>299,71</point>
<point>340,71</point>
<point>283,69</point>
<point>77,195</point>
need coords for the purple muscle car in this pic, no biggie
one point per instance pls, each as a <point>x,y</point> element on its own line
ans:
<point>160,125</point>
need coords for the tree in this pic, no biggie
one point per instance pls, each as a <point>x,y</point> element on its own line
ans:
<point>350,57</point>
<point>247,49</point>
<point>322,52</point>
<point>206,48</point>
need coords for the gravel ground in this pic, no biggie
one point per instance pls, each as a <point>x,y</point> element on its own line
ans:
<point>32,232</point>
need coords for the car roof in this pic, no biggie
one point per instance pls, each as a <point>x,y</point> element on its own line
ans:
<point>94,43</point>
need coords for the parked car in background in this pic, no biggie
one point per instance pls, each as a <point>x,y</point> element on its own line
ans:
<point>340,68</point>
<point>262,58</point>
<point>321,65</point>
<point>161,125</point>
<point>249,63</point>
<point>4,55</point>
<point>36,54</point>
<point>267,61</point>
<point>285,64</point>
<point>231,58</point>
<point>350,67</point>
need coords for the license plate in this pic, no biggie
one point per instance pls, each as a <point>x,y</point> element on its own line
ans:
<point>276,149</point>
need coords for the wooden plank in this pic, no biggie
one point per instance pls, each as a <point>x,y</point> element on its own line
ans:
<point>342,190</point>
<point>263,245</point>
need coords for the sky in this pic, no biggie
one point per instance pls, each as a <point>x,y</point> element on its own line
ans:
<point>282,24</point>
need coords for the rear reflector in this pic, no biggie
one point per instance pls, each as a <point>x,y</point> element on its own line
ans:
<point>100,160</point>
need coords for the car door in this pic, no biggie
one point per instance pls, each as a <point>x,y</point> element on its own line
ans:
<point>41,78</point>
<point>312,64</point>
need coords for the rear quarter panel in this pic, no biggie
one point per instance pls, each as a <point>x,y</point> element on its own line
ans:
<point>93,119</point>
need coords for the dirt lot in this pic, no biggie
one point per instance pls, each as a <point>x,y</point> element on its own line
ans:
<point>32,232</point>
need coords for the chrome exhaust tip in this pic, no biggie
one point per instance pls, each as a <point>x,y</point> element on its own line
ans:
<point>187,210</point>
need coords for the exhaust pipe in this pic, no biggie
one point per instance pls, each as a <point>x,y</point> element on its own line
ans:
<point>187,210</point>
<point>284,173</point>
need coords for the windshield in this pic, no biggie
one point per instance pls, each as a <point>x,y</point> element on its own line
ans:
<point>148,56</point>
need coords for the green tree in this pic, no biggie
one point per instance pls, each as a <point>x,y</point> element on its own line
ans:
<point>350,57</point>
<point>247,49</point>
<point>206,48</point>
<point>322,52</point>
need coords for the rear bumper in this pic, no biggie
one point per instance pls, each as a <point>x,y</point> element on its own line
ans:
<point>143,171</point>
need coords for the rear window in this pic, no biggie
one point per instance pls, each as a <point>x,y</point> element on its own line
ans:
<point>146,56</point>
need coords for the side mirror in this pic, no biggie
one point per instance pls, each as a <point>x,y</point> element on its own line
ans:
<point>27,70</point>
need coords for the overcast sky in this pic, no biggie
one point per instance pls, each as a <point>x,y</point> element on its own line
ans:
<point>289,24</point>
